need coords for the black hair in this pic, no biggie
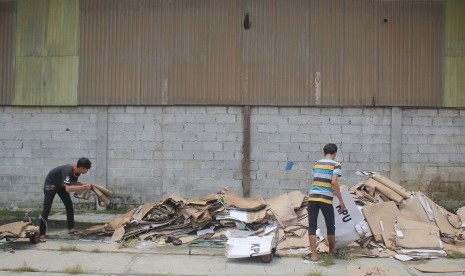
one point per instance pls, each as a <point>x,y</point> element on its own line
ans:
<point>84,163</point>
<point>330,149</point>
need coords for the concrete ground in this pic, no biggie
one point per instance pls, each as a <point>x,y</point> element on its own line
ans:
<point>61,254</point>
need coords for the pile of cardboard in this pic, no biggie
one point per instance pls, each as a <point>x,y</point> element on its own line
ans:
<point>216,216</point>
<point>381,216</point>
<point>408,223</point>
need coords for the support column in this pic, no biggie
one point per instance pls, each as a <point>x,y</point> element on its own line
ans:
<point>102,147</point>
<point>246,152</point>
<point>396,144</point>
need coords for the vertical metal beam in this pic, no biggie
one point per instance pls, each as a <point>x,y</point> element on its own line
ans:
<point>396,144</point>
<point>246,152</point>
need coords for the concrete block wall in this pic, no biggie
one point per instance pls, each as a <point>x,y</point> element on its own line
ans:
<point>433,152</point>
<point>148,152</point>
<point>157,151</point>
<point>34,140</point>
<point>297,135</point>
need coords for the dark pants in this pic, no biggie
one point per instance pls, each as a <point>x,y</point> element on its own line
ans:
<point>313,209</point>
<point>49,195</point>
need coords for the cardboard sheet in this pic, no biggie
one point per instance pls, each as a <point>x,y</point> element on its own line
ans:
<point>461,214</point>
<point>241,203</point>
<point>283,211</point>
<point>15,228</point>
<point>392,185</point>
<point>290,242</point>
<point>203,200</point>
<point>445,228</point>
<point>417,235</point>
<point>118,234</point>
<point>373,184</point>
<point>295,198</point>
<point>386,212</point>
<point>413,210</point>
<point>443,268</point>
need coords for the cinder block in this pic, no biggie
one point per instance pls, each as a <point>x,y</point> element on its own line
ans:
<point>352,111</point>
<point>216,109</point>
<point>192,146</point>
<point>448,112</point>
<point>266,110</point>
<point>298,120</point>
<point>225,118</point>
<point>279,138</point>
<point>213,146</point>
<point>328,111</point>
<point>288,128</point>
<point>267,128</point>
<point>300,138</point>
<point>422,121</point>
<point>289,111</point>
<point>201,155</point>
<point>330,129</point>
<point>427,112</point>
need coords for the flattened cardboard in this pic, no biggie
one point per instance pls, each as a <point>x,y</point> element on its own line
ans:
<point>392,185</point>
<point>413,210</point>
<point>295,198</point>
<point>373,214</point>
<point>241,203</point>
<point>15,228</point>
<point>121,221</point>
<point>118,234</point>
<point>445,268</point>
<point>445,228</point>
<point>203,200</point>
<point>417,235</point>
<point>461,214</point>
<point>283,212</point>
<point>373,184</point>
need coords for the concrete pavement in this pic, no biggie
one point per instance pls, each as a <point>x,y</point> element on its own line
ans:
<point>97,258</point>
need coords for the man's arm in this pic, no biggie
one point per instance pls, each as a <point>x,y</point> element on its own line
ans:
<point>337,192</point>
<point>77,186</point>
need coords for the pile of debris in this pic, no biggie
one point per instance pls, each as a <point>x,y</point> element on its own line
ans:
<point>405,222</point>
<point>381,217</point>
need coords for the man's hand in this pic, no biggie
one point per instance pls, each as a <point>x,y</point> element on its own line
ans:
<point>86,186</point>
<point>343,207</point>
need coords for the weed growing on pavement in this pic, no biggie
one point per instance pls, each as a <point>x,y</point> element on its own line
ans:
<point>455,255</point>
<point>77,269</point>
<point>96,250</point>
<point>326,260</point>
<point>130,243</point>
<point>344,255</point>
<point>24,268</point>
<point>315,273</point>
<point>68,248</point>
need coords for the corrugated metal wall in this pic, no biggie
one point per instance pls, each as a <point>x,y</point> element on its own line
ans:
<point>320,52</point>
<point>299,52</point>
<point>454,91</point>
<point>47,52</point>
<point>7,53</point>
<point>410,53</point>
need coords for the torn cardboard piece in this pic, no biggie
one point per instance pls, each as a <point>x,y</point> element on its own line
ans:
<point>417,235</point>
<point>387,212</point>
<point>392,185</point>
<point>375,185</point>
<point>250,204</point>
<point>283,211</point>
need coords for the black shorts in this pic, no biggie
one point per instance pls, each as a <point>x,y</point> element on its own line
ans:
<point>313,209</point>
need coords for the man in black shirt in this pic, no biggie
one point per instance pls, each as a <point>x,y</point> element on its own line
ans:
<point>63,180</point>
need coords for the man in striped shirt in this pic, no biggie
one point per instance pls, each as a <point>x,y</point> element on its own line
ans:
<point>326,173</point>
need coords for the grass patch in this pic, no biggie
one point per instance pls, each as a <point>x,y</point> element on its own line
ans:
<point>24,268</point>
<point>96,250</point>
<point>455,255</point>
<point>315,273</point>
<point>326,260</point>
<point>130,243</point>
<point>77,269</point>
<point>68,248</point>
<point>344,255</point>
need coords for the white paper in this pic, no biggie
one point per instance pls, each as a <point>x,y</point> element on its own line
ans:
<point>403,258</point>
<point>238,215</point>
<point>248,247</point>
<point>269,228</point>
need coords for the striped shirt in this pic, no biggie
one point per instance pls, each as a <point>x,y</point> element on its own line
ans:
<point>321,189</point>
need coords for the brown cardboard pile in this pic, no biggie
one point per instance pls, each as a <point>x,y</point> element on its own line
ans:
<point>215,216</point>
<point>407,222</point>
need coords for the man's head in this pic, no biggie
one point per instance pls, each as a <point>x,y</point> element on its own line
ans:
<point>83,165</point>
<point>330,150</point>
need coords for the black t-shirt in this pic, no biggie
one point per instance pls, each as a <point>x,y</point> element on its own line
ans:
<point>60,176</point>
